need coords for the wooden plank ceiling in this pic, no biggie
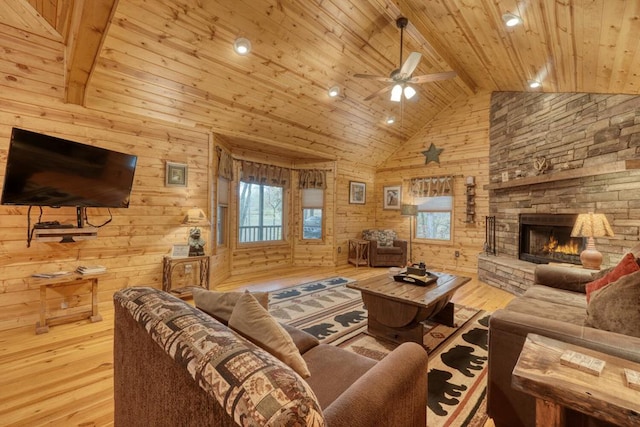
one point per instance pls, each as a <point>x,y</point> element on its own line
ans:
<point>173,61</point>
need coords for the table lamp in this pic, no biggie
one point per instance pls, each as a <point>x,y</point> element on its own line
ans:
<point>195,218</point>
<point>409,210</point>
<point>591,225</point>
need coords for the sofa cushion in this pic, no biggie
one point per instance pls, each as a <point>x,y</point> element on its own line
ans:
<point>558,296</point>
<point>626,266</point>
<point>548,310</point>
<point>221,304</point>
<point>616,307</point>
<point>393,250</point>
<point>343,367</point>
<point>250,319</point>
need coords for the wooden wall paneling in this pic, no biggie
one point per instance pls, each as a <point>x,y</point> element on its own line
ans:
<point>462,131</point>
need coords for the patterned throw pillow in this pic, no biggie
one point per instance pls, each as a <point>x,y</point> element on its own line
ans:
<point>626,266</point>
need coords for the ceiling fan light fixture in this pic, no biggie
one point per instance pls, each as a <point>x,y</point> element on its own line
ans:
<point>511,20</point>
<point>534,84</point>
<point>396,93</point>
<point>334,91</point>
<point>409,92</point>
<point>242,46</point>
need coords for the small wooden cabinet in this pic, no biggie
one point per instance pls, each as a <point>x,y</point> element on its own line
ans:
<point>471,200</point>
<point>170,265</point>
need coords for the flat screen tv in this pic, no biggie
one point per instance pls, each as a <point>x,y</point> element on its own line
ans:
<point>44,170</point>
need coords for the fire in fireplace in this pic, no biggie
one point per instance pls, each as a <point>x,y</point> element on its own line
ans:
<point>547,238</point>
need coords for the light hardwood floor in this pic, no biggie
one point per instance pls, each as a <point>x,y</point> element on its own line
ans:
<point>64,377</point>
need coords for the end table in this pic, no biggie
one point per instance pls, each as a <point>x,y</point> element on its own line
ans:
<point>169,265</point>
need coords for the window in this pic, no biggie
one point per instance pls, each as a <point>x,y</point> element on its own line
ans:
<point>261,213</point>
<point>312,204</point>
<point>434,218</point>
<point>222,220</point>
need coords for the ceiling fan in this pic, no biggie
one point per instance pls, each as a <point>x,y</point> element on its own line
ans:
<point>401,78</point>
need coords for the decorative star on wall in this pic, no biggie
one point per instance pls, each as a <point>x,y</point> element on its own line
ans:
<point>432,154</point>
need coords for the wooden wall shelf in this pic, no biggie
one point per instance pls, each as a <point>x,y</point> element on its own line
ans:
<point>65,235</point>
<point>605,168</point>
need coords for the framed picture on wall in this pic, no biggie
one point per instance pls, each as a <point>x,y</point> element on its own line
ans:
<point>391,197</point>
<point>176,175</point>
<point>357,192</point>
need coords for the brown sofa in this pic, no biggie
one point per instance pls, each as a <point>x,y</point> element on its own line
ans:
<point>385,249</point>
<point>176,365</point>
<point>556,307</point>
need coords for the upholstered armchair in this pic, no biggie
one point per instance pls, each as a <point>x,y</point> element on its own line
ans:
<point>385,250</point>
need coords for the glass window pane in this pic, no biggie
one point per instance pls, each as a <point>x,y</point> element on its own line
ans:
<point>222,225</point>
<point>312,223</point>
<point>433,225</point>
<point>261,213</point>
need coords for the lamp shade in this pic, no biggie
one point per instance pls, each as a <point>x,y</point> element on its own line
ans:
<point>591,225</point>
<point>409,210</point>
<point>195,216</point>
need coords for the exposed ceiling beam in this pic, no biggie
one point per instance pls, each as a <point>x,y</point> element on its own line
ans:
<point>89,23</point>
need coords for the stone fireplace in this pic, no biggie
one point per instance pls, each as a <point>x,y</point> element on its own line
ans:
<point>547,238</point>
<point>590,144</point>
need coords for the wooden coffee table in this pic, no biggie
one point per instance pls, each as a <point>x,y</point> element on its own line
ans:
<point>397,310</point>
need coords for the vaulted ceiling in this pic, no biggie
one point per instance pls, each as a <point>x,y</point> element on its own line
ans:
<point>173,60</point>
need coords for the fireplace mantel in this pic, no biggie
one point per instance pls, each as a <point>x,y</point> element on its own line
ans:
<point>601,169</point>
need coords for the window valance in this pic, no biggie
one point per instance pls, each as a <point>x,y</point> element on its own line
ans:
<point>432,186</point>
<point>259,173</point>
<point>225,164</point>
<point>312,178</point>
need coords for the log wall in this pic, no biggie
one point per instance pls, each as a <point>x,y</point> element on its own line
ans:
<point>462,130</point>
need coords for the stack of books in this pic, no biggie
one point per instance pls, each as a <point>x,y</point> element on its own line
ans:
<point>91,269</point>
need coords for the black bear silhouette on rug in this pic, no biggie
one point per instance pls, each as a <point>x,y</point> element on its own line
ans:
<point>314,287</point>
<point>352,317</point>
<point>321,330</point>
<point>461,357</point>
<point>439,387</point>
<point>287,294</point>
<point>485,321</point>
<point>477,337</point>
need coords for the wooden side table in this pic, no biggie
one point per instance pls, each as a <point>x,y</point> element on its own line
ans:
<point>169,264</point>
<point>42,326</point>
<point>540,374</point>
<point>359,252</point>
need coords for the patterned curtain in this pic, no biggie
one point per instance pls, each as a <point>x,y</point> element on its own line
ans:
<point>312,178</point>
<point>225,164</point>
<point>432,187</point>
<point>259,173</point>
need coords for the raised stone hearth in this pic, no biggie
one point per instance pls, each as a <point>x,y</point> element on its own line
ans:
<point>510,274</point>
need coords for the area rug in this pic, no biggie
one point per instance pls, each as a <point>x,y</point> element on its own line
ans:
<point>457,379</point>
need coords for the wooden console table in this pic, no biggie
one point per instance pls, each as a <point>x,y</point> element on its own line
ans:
<point>359,252</point>
<point>42,326</point>
<point>540,374</point>
<point>169,264</point>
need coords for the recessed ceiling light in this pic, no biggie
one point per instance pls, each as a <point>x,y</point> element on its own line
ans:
<point>334,91</point>
<point>242,46</point>
<point>511,20</point>
<point>390,120</point>
<point>534,84</point>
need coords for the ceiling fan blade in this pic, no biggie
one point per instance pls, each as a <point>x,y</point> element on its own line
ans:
<point>410,65</point>
<point>432,77</point>
<point>380,92</point>
<point>370,77</point>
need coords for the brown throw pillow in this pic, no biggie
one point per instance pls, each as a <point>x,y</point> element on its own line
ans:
<point>255,323</point>
<point>616,307</point>
<point>219,305</point>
